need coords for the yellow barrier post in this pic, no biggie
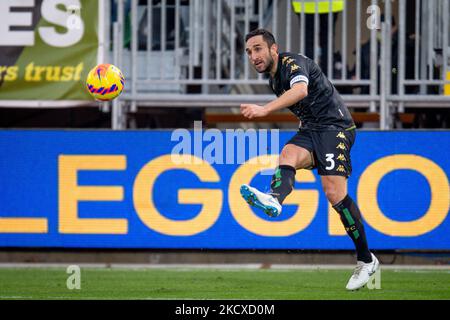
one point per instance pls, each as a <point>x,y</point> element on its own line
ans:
<point>447,86</point>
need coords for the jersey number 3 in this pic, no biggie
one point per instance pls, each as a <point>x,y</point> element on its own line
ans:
<point>329,159</point>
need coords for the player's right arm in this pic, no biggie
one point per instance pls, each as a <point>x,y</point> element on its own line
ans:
<point>296,93</point>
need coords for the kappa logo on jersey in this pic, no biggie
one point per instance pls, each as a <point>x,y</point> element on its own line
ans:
<point>287,60</point>
<point>341,146</point>
<point>341,135</point>
<point>341,157</point>
<point>294,67</point>
<point>340,168</point>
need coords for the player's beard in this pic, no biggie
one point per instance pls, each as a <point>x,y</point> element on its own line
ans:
<point>269,66</point>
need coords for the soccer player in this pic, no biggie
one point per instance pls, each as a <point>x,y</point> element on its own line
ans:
<point>323,141</point>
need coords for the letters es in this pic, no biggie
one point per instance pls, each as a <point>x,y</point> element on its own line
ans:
<point>58,13</point>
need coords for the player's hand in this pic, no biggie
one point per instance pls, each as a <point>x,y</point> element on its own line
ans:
<point>251,111</point>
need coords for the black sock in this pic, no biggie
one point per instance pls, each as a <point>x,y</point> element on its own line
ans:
<point>351,218</point>
<point>282,182</point>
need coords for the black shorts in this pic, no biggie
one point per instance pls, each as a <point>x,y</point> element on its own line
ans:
<point>330,150</point>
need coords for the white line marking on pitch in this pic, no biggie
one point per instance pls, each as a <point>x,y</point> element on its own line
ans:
<point>224,267</point>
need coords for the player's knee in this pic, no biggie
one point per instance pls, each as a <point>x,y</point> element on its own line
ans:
<point>296,157</point>
<point>288,156</point>
<point>333,194</point>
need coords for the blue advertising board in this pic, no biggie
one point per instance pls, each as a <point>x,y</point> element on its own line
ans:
<point>104,189</point>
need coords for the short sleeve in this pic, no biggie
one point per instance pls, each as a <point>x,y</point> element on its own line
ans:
<point>297,70</point>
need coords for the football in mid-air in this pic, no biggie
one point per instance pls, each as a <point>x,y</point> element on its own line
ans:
<point>105,82</point>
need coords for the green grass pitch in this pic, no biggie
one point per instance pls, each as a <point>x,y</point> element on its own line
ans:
<point>295,284</point>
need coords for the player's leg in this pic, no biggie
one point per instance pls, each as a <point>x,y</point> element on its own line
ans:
<point>335,188</point>
<point>295,155</point>
<point>367,263</point>
<point>334,166</point>
<point>291,159</point>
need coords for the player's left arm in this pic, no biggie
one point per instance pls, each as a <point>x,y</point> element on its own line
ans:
<point>296,93</point>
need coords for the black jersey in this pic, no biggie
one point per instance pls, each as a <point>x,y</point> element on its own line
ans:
<point>323,108</point>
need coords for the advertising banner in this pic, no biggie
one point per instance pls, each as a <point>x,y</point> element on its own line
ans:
<point>47,47</point>
<point>180,189</point>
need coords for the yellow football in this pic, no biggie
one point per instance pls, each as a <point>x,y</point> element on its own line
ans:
<point>105,82</point>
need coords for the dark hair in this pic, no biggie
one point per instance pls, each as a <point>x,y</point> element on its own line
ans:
<point>267,36</point>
